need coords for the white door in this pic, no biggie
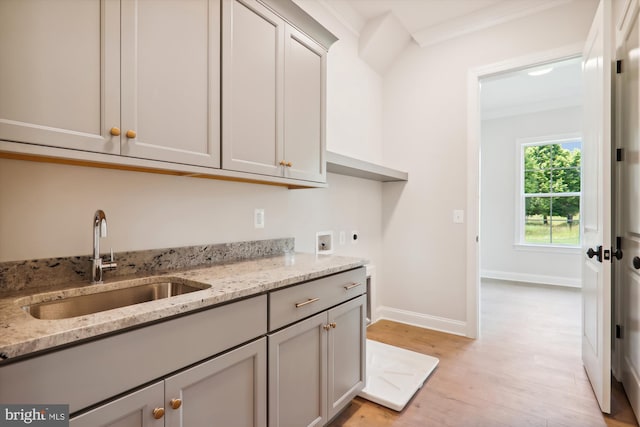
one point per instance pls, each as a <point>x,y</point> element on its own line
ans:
<point>596,204</point>
<point>629,285</point>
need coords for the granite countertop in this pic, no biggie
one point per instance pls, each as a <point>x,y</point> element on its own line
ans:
<point>21,334</point>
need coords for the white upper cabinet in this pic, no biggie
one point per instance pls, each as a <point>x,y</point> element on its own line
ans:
<point>304,108</point>
<point>71,60</point>
<point>60,73</point>
<point>274,95</point>
<point>229,88</point>
<point>171,80</point>
<point>252,95</point>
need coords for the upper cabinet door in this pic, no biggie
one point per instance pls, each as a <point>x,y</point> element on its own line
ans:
<point>252,95</point>
<point>171,80</point>
<point>59,73</point>
<point>304,107</point>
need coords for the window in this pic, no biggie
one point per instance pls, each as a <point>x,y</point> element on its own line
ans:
<point>550,193</point>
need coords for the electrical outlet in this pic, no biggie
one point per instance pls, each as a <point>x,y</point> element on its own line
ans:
<point>258,218</point>
<point>458,216</point>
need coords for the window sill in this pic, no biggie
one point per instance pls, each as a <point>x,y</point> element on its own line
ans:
<point>547,248</point>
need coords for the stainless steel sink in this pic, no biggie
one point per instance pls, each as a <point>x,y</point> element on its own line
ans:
<point>81,305</point>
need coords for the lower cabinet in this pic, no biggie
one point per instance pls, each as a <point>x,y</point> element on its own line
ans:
<point>317,365</point>
<point>229,390</point>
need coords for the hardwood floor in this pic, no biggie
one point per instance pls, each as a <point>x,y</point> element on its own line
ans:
<point>525,370</point>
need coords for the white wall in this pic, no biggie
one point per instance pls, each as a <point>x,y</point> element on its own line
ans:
<point>46,209</point>
<point>354,93</point>
<point>425,133</point>
<point>500,153</point>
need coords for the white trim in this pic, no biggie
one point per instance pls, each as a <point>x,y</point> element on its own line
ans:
<point>473,165</point>
<point>442,324</point>
<point>572,282</point>
<point>496,14</point>
<point>557,249</point>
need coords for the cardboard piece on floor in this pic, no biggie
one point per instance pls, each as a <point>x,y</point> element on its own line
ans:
<point>395,374</point>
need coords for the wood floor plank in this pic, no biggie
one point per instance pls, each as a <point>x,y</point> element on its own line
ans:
<point>524,371</point>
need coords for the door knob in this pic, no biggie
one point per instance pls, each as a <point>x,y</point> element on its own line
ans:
<point>636,262</point>
<point>597,253</point>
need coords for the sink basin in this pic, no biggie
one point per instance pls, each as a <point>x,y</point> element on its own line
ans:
<point>81,305</point>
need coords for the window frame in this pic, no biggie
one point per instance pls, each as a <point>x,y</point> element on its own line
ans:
<point>520,243</point>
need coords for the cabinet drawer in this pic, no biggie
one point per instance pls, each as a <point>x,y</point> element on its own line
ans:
<point>297,302</point>
<point>89,373</point>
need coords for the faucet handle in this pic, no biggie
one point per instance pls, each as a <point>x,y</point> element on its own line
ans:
<point>111,265</point>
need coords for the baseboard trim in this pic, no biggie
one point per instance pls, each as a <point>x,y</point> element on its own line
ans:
<point>442,324</point>
<point>531,278</point>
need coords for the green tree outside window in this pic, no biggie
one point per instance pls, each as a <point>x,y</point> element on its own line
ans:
<point>551,191</point>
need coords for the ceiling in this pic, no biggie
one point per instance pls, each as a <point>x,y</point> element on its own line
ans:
<point>428,22</point>
<point>433,21</point>
<point>518,92</point>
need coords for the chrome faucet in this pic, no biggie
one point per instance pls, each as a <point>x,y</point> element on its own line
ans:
<point>98,265</point>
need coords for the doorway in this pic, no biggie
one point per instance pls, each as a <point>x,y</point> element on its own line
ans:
<point>530,145</point>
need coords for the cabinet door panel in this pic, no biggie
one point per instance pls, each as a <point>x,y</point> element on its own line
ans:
<point>59,73</point>
<point>133,410</point>
<point>297,374</point>
<point>347,358</point>
<point>304,140</point>
<point>230,390</point>
<point>170,80</point>
<point>252,95</point>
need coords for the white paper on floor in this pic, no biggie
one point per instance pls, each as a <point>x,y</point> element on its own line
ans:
<point>395,374</point>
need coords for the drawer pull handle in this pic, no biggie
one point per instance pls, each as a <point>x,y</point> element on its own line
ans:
<point>351,286</point>
<point>309,301</point>
<point>333,325</point>
<point>176,403</point>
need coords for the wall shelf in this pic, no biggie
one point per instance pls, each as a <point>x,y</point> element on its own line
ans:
<point>345,165</point>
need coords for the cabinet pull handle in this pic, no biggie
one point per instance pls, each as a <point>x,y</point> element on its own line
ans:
<point>333,325</point>
<point>283,163</point>
<point>175,403</point>
<point>114,131</point>
<point>158,413</point>
<point>351,286</point>
<point>309,301</point>
<point>289,164</point>
<point>131,134</point>
<point>326,327</point>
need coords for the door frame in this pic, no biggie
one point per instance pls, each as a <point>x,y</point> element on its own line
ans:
<point>474,77</point>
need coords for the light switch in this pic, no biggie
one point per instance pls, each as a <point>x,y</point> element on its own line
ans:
<point>458,216</point>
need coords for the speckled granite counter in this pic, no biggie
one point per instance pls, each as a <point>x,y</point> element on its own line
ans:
<point>21,334</point>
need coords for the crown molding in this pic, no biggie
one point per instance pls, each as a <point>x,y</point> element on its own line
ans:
<point>497,14</point>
